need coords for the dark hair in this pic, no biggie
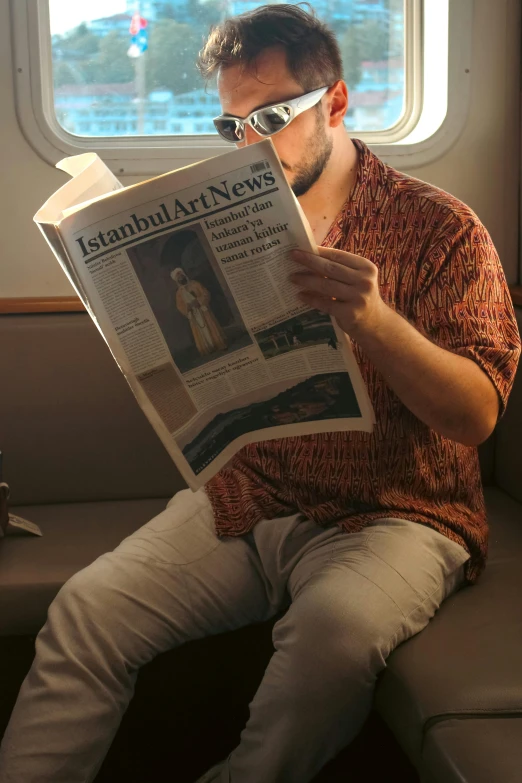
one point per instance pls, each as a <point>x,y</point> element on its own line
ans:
<point>312,51</point>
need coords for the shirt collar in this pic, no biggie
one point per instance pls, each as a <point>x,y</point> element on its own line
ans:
<point>366,196</point>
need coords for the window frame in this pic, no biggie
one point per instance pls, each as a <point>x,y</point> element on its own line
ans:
<point>149,155</point>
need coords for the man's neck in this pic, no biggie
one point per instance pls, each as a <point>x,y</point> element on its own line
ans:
<point>322,203</point>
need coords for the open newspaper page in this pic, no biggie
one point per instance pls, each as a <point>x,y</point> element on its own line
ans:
<point>187,278</point>
<point>91,178</point>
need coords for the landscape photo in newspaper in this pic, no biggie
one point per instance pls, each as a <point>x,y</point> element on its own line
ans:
<point>317,398</point>
<point>186,277</point>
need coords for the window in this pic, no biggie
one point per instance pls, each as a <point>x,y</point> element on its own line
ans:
<point>78,89</point>
<point>90,48</point>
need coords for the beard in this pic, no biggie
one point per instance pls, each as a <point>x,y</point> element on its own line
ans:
<point>319,148</point>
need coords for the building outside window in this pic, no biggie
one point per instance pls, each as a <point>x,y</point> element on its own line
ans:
<point>99,90</point>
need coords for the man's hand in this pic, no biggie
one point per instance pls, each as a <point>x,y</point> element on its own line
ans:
<point>343,285</point>
<point>448,392</point>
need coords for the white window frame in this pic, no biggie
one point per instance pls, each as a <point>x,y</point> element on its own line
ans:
<point>406,144</point>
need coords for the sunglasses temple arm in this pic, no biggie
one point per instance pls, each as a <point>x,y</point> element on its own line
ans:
<point>307,101</point>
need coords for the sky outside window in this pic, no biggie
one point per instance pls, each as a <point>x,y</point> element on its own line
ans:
<point>99,90</point>
<point>66,15</point>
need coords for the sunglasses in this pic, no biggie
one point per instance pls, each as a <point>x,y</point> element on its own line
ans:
<point>267,120</point>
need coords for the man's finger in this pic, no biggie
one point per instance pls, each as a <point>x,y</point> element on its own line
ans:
<point>326,267</point>
<point>319,302</point>
<point>344,258</point>
<point>324,286</point>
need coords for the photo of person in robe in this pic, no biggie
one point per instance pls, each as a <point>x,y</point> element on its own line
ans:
<point>192,300</point>
<point>190,297</point>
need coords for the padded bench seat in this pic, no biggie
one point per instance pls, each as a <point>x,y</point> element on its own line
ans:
<point>33,569</point>
<point>468,661</point>
<point>452,695</point>
<point>465,664</point>
<point>424,682</point>
<point>482,750</point>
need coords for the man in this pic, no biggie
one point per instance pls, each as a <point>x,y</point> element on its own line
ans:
<point>192,300</point>
<point>359,537</point>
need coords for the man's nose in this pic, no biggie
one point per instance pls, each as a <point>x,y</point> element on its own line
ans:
<point>251,137</point>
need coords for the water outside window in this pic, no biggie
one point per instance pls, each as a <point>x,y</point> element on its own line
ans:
<point>123,68</point>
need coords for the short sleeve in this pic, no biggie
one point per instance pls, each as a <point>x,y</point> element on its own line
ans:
<point>464,304</point>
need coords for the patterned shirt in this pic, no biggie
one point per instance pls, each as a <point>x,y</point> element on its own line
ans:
<point>439,269</point>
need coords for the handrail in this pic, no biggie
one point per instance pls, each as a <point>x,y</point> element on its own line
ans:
<point>41,304</point>
<point>72,304</point>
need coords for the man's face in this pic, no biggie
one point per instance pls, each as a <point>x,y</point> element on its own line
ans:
<point>304,147</point>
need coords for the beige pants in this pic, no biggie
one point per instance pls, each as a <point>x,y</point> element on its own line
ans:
<point>349,600</point>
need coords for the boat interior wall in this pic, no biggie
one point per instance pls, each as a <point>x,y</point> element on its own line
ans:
<point>481,168</point>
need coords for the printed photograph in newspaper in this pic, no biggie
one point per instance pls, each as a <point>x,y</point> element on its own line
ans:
<point>189,297</point>
<point>301,331</point>
<point>317,398</point>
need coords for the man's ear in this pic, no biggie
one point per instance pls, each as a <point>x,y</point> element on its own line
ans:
<point>337,97</point>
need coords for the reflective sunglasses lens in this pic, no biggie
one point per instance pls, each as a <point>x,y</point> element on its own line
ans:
<point>229,128</point>
<point>271,120</point>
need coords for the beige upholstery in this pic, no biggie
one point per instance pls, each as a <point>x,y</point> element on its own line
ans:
<point>70,428</point>
<point>467,663</point>
<point>468,660</point>
<point>32,570</point>
<point>508,452</point>
<point>72,432</point>
<point>484,750</point>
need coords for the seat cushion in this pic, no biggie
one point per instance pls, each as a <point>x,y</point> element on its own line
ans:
<point>481,750</point>
<point>507,467</point>
<point>65,391</point>
<point>71,428</point>
<point>467,661</point>
<point>32,569</point>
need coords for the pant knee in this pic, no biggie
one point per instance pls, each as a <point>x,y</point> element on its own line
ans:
<point>333,648</point>
<point>85,607</point>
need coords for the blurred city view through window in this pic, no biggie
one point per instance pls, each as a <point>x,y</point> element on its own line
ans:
<point>130,69</point>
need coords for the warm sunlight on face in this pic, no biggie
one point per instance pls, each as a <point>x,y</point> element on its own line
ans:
<point>304,147</point>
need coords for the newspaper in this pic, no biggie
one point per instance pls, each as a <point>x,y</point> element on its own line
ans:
<point>186,278</point>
